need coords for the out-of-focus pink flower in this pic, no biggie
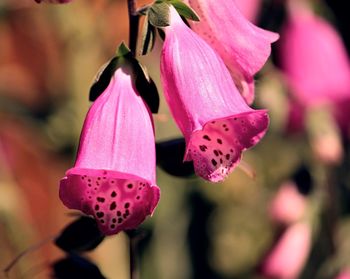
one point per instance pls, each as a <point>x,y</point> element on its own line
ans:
<point>288,257</point>
<point>53,1</point>
<point>288,206</point>
<point>314,59</point>
<point>113,178</point>
<point>249,8</point>
<point>243,46</point>
<point>345,274</point>
<point>216,122</point>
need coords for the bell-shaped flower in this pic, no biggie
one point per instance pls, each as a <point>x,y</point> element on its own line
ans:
<point>113,178</point>
<point>313,59</point>
<point>243,46</point>
<point>216,122</point>
<point>288,257</point>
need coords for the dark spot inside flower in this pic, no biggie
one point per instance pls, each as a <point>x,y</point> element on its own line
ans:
<point>214,162</point>
<point>125,216</point>
<point>100,199</point>
<point>112,226</point>
<point>220,152</point>
<point>130,186</point>
<point>82,177</point>
<point>89,180</point>
<point>114,194</point>
<point>206,137</point>
<point>119,213</point>
<point>235,118</point>
<point>97,207</point>
<point>104,177</point>
<point>140,188</point>
<point>102,221</point>
<point>120,220</point>
<point>113,206</point>
<point>100,214</point>
<point>95,188</point>
<point>138,197</point>
<point>90,197</point>
<point>114,220</point>
<point>104,172</point>
<point>231,150</point>
<point>227,156</point>
<point>213,122</point>
<point>216,153</point>
<point>89,185</point>
<point>226,129</point>
<point>98,178</point>
<point>127,205</point>
<point>203,147</point>
<point>224,125</point>
<point>219,141</point>
<point>221,161</point>
<point>127,212</point>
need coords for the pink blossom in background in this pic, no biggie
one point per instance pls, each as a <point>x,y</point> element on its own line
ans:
<point>287,259</point>
<point>113,178</point>
<point>243,46</point>
<point>313,59</point>
<point>345,274</point>
<point>288,205</point>
<point>249,8</point>
<point>215,120</point>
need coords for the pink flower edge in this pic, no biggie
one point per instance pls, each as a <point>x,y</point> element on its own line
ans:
<point>118,201</point>
<point>217,148</point>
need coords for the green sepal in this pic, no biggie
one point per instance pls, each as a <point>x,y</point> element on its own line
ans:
<point>143,83</point>
<point>145,86</point>
<point>159,14</point>
<point>105,73</point>
<point>148,37</point>
<point>184,10</point>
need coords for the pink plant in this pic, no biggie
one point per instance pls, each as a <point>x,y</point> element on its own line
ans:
<point>243,46</point>
<point>288,206</point>
<point>314,59</point>
<point>215,120</point>
<point>288,257</point>
<point>113,178</point>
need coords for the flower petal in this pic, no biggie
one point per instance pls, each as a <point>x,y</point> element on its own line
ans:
<point>118,201</point>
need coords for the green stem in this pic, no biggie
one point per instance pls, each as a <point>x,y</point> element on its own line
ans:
<point>133,25</point>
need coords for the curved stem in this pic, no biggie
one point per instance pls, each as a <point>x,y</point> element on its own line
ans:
<point>133,25</point>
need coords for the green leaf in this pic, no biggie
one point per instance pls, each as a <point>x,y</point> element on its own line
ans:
<point>158,14</point>
<point>148,37</point>
<point>184,10</point>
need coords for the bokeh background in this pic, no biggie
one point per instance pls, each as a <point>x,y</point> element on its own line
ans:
<point>291,193</point>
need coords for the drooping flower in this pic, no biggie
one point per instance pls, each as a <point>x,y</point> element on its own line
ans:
<point>243,46</point>
<point>288,257</point>
<point>216,122</point>
<point>113,178</point>
<point>313,59</point>
<point>289,205</point>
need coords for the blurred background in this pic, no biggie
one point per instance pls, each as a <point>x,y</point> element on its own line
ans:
<point>284,213</point>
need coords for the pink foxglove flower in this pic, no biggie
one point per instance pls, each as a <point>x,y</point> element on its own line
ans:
<point>288,257</point>
<point>289,205</point>
<point>113,178</point>
<point>314,59</point>
<point>215,120</point>
<point>243,46</point>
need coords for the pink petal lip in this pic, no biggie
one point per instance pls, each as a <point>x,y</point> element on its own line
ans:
<point>217,148</point>
<point>118,201</point>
